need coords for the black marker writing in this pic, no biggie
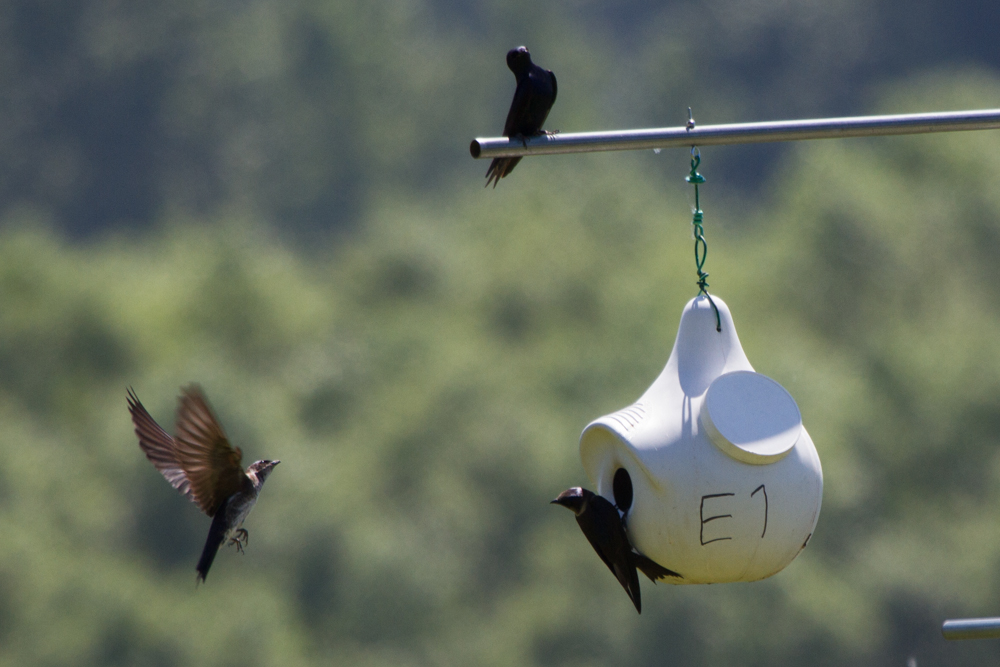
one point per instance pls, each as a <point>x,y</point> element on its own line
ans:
<point>712,518</point>
<point>761,488</point>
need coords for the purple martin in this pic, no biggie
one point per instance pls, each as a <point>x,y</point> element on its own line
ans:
<point>533,98</point>
<point>621,489</point>
<point>200,463</point>
<point>604,529</point>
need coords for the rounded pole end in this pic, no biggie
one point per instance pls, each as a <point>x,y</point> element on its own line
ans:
<point>475,148</point>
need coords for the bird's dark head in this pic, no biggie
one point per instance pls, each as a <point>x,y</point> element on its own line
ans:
<point>575,499</point>
<point>261,469</point>
<point>519,60</point>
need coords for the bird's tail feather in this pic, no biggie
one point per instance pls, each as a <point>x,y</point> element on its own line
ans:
<point>216,534</point>
<point>499,168</point>
<point>652,569</point>
<point>494,173</point>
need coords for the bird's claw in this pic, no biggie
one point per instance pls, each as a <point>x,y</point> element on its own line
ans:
<point>240,538</point>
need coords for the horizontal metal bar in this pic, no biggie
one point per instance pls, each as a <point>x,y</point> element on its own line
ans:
<point>971,628</point>
<point>738,133</point>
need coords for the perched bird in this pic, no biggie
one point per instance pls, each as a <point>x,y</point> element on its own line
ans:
<point>533,98</point>
<point>621,489</point>
<point>604,529</point>
<point>600,523</point>
<point>200,463</point>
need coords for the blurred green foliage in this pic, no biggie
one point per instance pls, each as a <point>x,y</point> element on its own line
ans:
<point>119,115</point>
<point>424,378</point>
<point>424,382</point>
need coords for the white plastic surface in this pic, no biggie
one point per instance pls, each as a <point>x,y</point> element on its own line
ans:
<point>751,417</point>
<point>727,492</point>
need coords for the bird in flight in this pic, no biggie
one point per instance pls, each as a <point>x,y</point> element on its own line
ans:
<point>533,98</point>
<point>604,529</point>
<point>200,463</point>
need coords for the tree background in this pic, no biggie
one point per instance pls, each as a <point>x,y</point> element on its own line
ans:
<point>275,199</point>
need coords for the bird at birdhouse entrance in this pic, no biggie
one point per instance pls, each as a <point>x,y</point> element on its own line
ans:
<point>605,529</point>
<point>712,468</point>
<point>533,99</point>
<point>200,463</point>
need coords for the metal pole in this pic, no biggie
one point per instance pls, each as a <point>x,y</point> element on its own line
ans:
<point>971,628</point>
<point>738,133</point>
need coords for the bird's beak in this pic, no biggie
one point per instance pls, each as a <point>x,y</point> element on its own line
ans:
<point>274,463</point>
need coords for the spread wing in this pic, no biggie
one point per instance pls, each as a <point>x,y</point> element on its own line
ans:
<point>211,464</point>
<point>158,446</point>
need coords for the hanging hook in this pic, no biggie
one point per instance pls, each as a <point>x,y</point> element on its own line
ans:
<point>700,245</point>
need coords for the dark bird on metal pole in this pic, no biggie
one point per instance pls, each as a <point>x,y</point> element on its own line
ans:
<point>603,527</point>
<point>200,463</point>
<point>533,98</point>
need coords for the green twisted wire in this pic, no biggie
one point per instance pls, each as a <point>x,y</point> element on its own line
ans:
<point>700,245</point>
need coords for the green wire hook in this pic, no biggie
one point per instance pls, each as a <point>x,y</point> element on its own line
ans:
<point>700,245</point>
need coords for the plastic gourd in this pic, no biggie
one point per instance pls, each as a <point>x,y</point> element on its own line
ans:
<point>726,484</point>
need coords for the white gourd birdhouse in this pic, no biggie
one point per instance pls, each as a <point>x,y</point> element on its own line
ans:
<point>726,484</point>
